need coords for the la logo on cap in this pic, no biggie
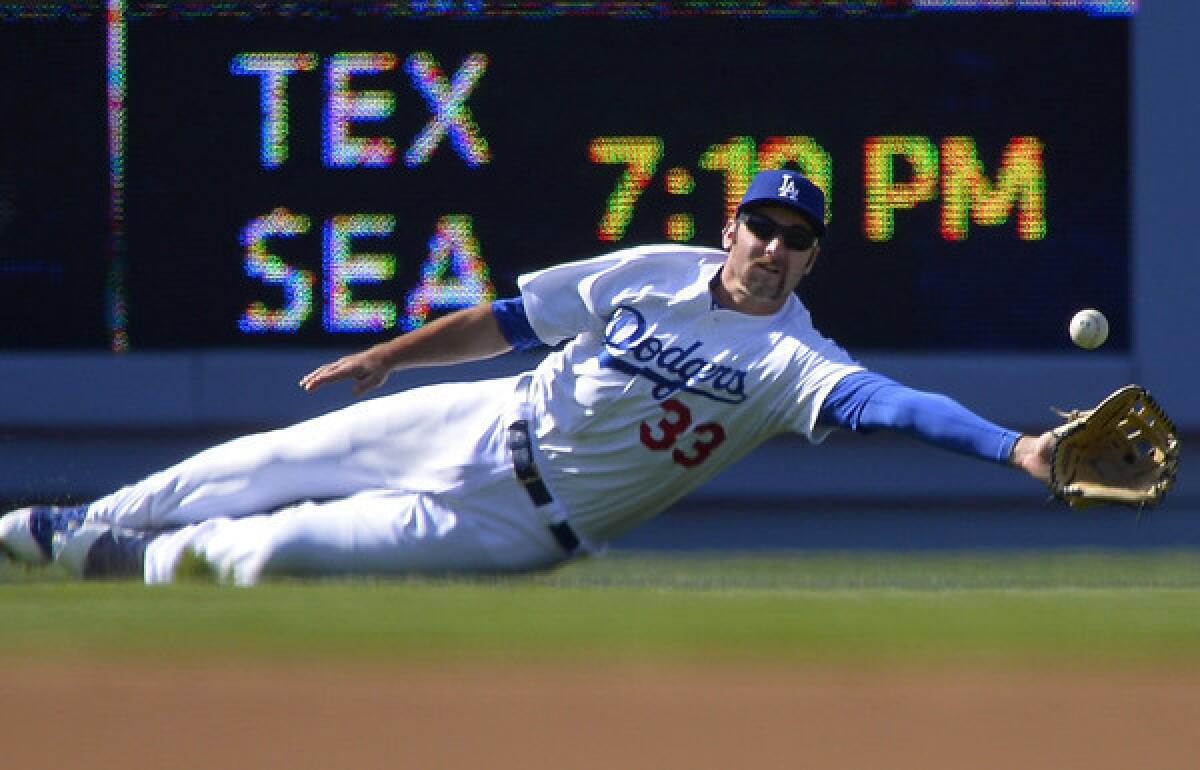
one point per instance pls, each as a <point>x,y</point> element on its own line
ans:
<point>787,188</point>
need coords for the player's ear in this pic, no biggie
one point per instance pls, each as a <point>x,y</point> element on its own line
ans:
<point>812,261</point>
<point>729,235</point>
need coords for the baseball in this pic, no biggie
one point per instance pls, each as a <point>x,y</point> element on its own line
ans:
<point>1089,329</point>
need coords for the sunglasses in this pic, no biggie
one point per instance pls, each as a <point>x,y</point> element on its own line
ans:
<point>765,229</point>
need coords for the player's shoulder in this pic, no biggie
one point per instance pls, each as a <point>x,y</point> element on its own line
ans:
<point>670,254</point>
<point>801,338</point>
<point>666,267</point>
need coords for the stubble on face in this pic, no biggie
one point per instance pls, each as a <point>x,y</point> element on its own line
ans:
<point>761,275</point>
<point>766,279</point>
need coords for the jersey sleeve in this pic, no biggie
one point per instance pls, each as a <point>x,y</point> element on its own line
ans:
<point>821,379</point>
<point>818,364</point>
<point>557,301</point>
<point>566,300</point>
<point>514,324</point>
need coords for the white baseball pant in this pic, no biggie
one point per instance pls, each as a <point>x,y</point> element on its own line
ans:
<point>416,482</point>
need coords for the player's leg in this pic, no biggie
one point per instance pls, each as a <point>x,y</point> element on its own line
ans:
<point>425,439</point>
<point>251,474</point>
<point>373,533</point>
<point>416,440</point>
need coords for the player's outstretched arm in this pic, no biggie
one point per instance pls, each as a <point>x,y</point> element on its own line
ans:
<point>465,335</point>
<point>866,401</point>
<point>1034,454</point>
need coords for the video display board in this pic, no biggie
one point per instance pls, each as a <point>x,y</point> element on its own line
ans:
<point>336,174</point>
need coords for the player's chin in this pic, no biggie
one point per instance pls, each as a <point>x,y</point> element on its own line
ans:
<point>768,285</point>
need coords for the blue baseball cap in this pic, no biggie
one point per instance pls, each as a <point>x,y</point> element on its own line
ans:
<point>787,188</point>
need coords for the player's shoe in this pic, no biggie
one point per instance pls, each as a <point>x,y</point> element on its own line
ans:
<point>98,551</point>
<point>30,535</point>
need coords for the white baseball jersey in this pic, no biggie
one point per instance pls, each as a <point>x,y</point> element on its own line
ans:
<point>657,389</point>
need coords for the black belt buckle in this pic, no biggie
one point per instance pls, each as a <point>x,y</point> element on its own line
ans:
<point>522,457</point>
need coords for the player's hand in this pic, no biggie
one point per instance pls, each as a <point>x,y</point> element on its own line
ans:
<point>366,369</point>
<point>1033,454</point>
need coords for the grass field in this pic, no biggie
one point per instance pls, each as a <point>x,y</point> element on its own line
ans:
<point>1125,609</point>
<point>1041,661</point>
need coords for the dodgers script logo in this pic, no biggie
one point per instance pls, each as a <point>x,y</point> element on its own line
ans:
<point>671,369</point>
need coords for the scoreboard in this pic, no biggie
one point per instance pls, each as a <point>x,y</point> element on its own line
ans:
<point>289,175</point>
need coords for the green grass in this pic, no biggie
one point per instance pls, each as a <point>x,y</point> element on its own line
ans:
<point>862,609</point>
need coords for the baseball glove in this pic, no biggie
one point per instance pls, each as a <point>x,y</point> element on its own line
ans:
<point>1124,451</point>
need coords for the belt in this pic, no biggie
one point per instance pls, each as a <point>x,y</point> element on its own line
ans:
<point>520,445</point>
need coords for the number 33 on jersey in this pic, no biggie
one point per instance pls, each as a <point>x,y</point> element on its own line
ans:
<point>676,424</point>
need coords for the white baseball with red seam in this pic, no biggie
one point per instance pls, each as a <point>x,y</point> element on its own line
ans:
<point>1089,329</point>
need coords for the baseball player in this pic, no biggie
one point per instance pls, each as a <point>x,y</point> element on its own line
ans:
<point>670,363</point>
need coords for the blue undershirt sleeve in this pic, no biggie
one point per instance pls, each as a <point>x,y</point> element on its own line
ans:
<point>865,401</point>
<point>514,324</point>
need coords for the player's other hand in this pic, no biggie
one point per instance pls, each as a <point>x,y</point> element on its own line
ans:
<point>366,369</point>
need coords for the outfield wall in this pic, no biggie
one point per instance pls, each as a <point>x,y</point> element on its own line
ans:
<point>79,424</point>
